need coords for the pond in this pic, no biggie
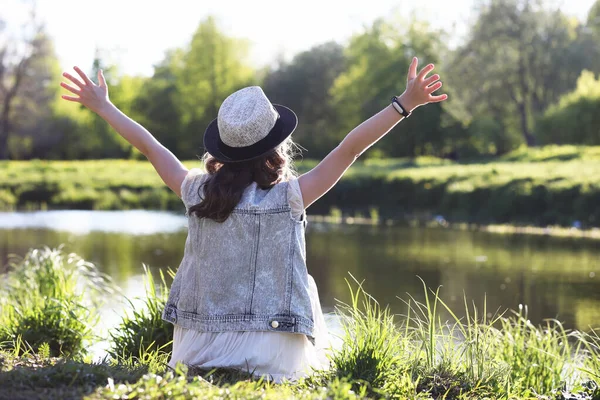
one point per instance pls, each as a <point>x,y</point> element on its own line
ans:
<point>556,277</point>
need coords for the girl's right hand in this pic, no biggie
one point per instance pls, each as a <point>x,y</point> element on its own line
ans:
<point>94,97</point>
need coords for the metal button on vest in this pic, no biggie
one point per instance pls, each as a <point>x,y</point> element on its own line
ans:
<point>275,324</point>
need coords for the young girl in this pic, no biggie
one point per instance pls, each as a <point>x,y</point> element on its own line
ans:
<point>242,297</point>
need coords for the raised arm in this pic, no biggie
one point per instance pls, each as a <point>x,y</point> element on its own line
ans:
<point>325,175</point>
<point>95,97</point>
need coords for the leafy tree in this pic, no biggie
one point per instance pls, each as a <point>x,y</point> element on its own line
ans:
<point>210,68</point>
<point>27,67</point>
<point>158,109</point>
<point>304,85</point>
<point>519,58</point>
<point>591,36</point>
<point>378,61</point>
<point>100,139</point>
<point>593,20</point>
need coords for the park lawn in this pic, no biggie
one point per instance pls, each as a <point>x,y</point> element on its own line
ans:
<point>554,185</point>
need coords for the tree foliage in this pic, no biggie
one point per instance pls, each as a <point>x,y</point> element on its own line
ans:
<point>211,68</point>
<point>28,74</point>
<point>506,80</point>
<point>304,85</point>
<point>377,63</point>
<point>575,118</point>
<point>520,57</point>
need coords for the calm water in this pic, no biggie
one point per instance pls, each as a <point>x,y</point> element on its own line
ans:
<point>555,277</point>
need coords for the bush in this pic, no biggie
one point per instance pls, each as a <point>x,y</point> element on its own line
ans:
<point>575,119</point>
<point>44,302</point>
<point>144,332</point>
<point>7,200</point>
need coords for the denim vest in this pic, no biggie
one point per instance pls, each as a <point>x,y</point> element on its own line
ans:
<point>247,273</point>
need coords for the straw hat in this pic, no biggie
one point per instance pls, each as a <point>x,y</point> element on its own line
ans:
<point>248,126</point>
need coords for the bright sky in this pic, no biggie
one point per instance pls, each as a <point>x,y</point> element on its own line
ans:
<point>136,33</point>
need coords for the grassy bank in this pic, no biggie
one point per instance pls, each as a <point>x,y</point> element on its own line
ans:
<point>557,185</point>
<point>380,356</point>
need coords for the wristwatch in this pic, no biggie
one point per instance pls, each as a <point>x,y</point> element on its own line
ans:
<point>399,107</point>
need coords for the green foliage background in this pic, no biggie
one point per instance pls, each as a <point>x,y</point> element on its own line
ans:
<point>512,80</point>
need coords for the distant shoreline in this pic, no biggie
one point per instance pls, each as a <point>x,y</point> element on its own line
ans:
<point>555,231</point>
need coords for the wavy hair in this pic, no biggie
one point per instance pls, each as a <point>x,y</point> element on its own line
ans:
<point>224,187</point>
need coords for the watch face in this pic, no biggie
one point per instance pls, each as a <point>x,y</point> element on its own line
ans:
<point>399,107</point>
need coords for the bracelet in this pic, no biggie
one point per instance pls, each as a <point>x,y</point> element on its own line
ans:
<point>399,107</point>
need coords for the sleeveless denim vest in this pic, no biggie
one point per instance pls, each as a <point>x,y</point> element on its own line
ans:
<point>247,273</point>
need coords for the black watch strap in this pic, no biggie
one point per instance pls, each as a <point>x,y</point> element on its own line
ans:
<point>399,107</point>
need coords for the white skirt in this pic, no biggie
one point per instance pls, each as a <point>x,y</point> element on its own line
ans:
<point>277,355</point>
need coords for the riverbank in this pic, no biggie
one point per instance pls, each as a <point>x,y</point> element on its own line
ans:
<point>558,185</point>
<point>380,355</point>
<point>440,223</point>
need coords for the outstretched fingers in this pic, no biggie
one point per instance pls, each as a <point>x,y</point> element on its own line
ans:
<point>412,69</point>
<point>101,79</point>
<point>70,88</point>
<point>433,88</point>
<point>423,73</point>
<point>71,98</point>
<point>432,79</point>
<point>437,99</point>
<point>74,80</point>
<point>83,76</point>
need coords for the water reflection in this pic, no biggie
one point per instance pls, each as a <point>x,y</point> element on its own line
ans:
<point>556,277</point>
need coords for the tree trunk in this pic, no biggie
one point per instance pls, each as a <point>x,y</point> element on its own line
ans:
<point>5,128</point>
<point>529,138</point>
<point>525,97</point>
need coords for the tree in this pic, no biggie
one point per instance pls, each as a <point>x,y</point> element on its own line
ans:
<point>210,68</point>
<point>304,85</point>
<point>518,59</point>
<point>592,36</point>
<point>593,20</point>
<point>377,65</point>
<point>158,109</point>
<point>27,68</point>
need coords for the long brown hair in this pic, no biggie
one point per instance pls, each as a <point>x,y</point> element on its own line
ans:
<point>226,183</point>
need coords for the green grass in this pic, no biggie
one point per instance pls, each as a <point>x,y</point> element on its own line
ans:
<point>43,301</point>
<point>554,185</point>
<point>415,355</point>
<point>142,331</point>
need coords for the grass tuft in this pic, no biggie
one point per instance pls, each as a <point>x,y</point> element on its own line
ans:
<point>372,345</point>
<point>46,299</point>
<point>142,336</point>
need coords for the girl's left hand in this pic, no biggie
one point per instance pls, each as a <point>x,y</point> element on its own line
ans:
<point>94,97</point>
<point>420,88</point>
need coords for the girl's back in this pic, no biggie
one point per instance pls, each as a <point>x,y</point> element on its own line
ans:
<point>246,273</point>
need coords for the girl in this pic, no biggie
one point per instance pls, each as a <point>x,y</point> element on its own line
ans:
<point>242,297</point>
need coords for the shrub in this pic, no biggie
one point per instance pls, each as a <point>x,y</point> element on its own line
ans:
<point>8,201</point>
<point>44,300</point>
<point>575,119</point>
<point>143,332</point>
